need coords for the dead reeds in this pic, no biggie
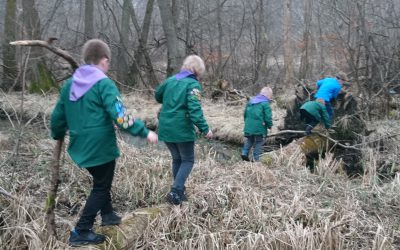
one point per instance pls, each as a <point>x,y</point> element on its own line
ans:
<point>232,204</point>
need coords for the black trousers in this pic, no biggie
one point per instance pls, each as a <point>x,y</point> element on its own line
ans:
<point>100,196</point>
<point>308,118</point>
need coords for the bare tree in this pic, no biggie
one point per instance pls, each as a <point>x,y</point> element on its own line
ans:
<point>141,52</point>
<point>38,76</point>
<point>287,44</point>
<point>89,21</point>
<point>122,71</point>
<point>174,52</point>
<point>9,60</point>
<point>306,43</point>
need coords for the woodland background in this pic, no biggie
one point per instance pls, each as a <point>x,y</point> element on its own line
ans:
<point>348,197</point>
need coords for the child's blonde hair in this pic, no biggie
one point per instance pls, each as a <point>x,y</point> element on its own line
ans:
<point>195,64</point>
<point>267,92</point>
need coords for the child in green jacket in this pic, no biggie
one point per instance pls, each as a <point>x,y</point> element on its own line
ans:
<point>181,111</point>
<point>314,112</point>
<point>257,121</point>
<point>88,107</point>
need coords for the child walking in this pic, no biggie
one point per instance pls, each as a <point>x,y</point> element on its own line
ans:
<point>181,111</point>
<point>88,107</point>
<point>257,121</point>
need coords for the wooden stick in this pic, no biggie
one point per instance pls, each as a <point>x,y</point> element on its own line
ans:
<point>52,193</point>
<point>64,54</point>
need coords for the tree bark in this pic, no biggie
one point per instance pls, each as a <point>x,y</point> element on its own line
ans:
<point>220,37</point>
<point>37,66</point>
<point>287,45</point>
<point>89,20</point>
<point>304,62</point>
<point>9,52</point>
<point>52,193</point>
<point>174,54</point>
<point>122,71</point>
<point>141,52</point>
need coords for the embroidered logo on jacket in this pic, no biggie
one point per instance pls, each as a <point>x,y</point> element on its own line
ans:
<point>124,120</point>
<point>195,94</point>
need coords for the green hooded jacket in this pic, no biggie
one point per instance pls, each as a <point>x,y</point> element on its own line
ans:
<point>257,118</point>
<point>181,110</point>
<point>90,121</point>
<point>318,111</point>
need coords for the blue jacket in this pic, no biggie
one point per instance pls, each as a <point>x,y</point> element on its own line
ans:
<point>328,89</point>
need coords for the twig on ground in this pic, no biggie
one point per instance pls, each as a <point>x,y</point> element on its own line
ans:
<point>7,194</point>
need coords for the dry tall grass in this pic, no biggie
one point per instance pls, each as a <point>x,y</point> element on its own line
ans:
<point>232,204</point>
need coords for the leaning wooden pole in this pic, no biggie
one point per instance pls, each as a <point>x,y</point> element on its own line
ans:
<point>52,193</point>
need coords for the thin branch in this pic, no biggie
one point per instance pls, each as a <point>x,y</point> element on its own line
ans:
<point>336,142</point>
<point>64,54</point>
<point>282,132</point>
<point>7,194</point>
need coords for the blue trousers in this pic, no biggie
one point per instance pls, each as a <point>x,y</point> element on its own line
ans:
<point>257,142</point>
<point>182,162</point>
<point>100,196</point>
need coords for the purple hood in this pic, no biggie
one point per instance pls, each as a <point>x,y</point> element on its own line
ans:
<point>258,98</point>
<point>83,79</point>
<point>184,74</point>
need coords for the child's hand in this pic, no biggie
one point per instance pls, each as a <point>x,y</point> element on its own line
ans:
<point>152,137</point>
<point>209,135</point>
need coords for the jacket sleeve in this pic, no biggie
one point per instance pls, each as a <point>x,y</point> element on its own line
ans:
<point>114,106</point>
<point>325,117</point>
<point>193,97</point>
<point>58,120</point>
<point>267,115</point>
<point>159,93</point>
<point>319,83</point>
<point>336,91</point>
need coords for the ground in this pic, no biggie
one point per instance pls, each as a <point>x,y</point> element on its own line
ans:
<point>232,204</point>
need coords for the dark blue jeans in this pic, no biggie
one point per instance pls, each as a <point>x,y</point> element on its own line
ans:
<point>100,196</point>
<point>257,142</point>
<point>182,162</point>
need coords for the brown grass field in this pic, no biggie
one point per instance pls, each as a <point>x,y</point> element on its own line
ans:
<point>277,204</point>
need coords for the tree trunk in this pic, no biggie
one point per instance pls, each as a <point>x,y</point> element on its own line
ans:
<point>122,71</point>
<point>220,36</point>
<point>89,20</point>
<point>141,52</point>
<point>304,62</point>
<point>174,54</point>
<point>9,60</point>
<point>37,76</point>
<point>287,46</point>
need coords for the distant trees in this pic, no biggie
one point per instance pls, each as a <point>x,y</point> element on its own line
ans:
<point>247,43</point>
<point>9,52</point>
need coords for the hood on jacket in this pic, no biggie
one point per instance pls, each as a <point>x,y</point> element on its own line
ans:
<point>258,99</point>
<point>83,79</point>
<point>184,74</point>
